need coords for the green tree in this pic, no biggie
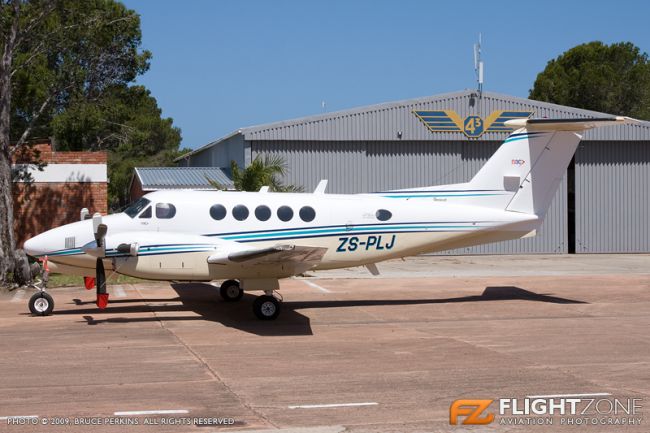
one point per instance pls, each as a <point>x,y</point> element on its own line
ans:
<point>612,79</point>
<point>54,53</point>
<point>262,172</point>
<point>125,120</point>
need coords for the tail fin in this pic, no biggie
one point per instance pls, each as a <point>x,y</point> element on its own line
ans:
<point>533,159</point>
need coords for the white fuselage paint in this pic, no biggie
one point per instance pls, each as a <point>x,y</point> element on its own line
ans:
<point>347,225</point>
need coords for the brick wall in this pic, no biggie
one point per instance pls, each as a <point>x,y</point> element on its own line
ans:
<point>44,152</point>
<point>41,206</point>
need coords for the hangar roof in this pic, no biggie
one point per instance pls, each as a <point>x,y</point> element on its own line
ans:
<point>156,178</point>
<point>394,121</point>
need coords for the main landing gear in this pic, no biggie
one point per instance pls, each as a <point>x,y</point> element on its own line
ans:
<point>265,307</point>
<point>230,291</point>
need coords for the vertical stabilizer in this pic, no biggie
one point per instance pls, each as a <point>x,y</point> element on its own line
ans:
<point>532,160</point>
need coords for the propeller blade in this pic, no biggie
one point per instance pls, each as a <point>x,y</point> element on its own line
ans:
<point>100,281</point>
<point>100,233</point>
<point>100,276</point>
<point>97,220</point>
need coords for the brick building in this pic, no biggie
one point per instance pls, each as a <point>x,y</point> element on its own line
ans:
<point>68,182</point>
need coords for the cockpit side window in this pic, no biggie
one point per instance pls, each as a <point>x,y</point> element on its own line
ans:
<point>136,207</point>
<point>146,213</point>
<point>165,210</point>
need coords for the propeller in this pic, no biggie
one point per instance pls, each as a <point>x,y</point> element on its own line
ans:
<point>99,230</point>
<point>100,281</point>
<point>98,247</point>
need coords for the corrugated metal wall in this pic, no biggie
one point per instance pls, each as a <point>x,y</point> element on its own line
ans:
<point>383,122</point>
<point>220,155</point>
<point>353,167</point>
<point>613,197</point>
<point>343,164</point>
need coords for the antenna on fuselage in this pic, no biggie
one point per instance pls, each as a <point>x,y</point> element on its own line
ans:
<point>320,188</point>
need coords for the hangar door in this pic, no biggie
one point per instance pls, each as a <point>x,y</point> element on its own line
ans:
<point>612,197</point>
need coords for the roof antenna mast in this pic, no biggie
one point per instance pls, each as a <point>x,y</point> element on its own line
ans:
<point>478,65</point>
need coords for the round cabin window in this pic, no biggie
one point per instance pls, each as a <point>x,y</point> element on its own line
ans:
<point>262,213</point>
<point>307,213</point>
<point>285,213</point>
<point>240,212</point>
<point>218,212</point>
<point>383,215</point>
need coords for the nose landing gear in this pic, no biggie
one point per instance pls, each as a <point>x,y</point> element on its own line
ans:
<point>41,302</point>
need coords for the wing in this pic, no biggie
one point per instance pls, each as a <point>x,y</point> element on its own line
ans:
<point>441,120</point>
<point>295,258</point>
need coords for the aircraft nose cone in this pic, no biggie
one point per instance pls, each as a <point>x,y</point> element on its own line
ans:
<point>34,246</point>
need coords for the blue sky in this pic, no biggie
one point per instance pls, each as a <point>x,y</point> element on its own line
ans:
<point>221,65</point>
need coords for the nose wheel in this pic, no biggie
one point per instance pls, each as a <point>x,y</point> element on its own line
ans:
<point>41,304</point>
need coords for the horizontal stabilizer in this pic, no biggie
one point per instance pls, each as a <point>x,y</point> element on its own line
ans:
<point>575,125</point>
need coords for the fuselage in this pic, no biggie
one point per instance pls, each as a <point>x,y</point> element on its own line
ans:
<point>176,230</point>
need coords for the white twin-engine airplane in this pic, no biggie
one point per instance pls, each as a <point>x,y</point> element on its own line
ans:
<point>253,239</point>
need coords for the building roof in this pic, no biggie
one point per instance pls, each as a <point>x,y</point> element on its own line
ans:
<point>156,178</point>
<point>397,121</point>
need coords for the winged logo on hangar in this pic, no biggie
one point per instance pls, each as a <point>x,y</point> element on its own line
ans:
<point>472,126</point>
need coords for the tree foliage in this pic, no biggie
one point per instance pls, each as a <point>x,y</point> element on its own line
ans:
<point>125,120</point>
<point>78,51</point>
<point>65,71</point>
<point>262,172</point>
<point>611,79</point>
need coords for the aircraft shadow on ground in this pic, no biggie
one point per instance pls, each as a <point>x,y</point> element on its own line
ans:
<point>203,300</point>
<point>497,293</point>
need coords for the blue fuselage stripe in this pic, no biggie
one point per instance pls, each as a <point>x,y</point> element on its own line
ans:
<point>293,233</point>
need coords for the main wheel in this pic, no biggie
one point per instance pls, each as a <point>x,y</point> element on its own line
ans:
<point>41,304</point>
<point>266,307</point>
<point>230,291</point>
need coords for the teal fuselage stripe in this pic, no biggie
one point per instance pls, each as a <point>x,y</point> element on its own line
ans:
<point>290,233</point>
<point>525,137</point>
<point>342,231</point>
<point>437,195</point>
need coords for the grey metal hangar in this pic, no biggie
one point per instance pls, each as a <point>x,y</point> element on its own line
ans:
<point>602,206</point>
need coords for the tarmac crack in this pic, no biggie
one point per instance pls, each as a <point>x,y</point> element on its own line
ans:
<point>212,372</point>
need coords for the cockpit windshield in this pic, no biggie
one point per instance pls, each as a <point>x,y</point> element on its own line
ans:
<point>136,207</point>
